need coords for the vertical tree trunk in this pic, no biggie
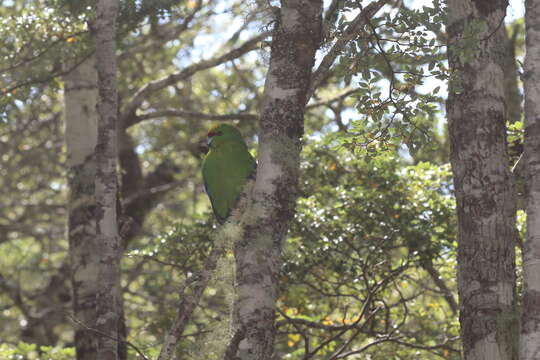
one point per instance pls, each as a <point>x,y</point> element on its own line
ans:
<point>484,193</point>
<point>296,38</point>
<point>513,97</point>
<point>80,95</point>
<point>530,331</point>
<point>107,237</point>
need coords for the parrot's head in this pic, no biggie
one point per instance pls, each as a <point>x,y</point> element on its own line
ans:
<point>222,133</point>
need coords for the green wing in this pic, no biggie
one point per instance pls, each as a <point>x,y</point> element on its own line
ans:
<point>225,171</point>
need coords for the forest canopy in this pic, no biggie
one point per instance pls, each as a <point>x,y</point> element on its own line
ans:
<point>349,231</point>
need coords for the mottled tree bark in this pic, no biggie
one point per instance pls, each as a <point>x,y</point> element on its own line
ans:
<point>296,38</point>
<point>530,330</point>
<point>484,193</point>
<point>513,97</point>
<point>80,95</point>
<point>108,241</point>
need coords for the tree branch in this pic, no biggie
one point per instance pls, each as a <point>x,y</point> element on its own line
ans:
<point>232,348</point>
<point>332,100</point>
<point>192,115</point>
<point>330,18</point>
<point>139,193</point>
<point>350,33</point>
<point>13,291</point>
<point>222,242</point>
<point>187,72</point>
<point>170,34</point>
<point>439,282</point>
<point>96,331</point>
<point>47,78</point>
<point>190,301</point>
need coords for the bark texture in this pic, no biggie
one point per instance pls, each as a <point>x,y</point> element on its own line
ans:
<point>80,95</point>
<point>513,96</point>
<point>296,38</point>
<point>530,330</point>
<point>484,192</point>
<point>108,241</point>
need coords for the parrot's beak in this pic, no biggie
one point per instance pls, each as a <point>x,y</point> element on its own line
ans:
<point>211,135</point>
<point>210,138</point>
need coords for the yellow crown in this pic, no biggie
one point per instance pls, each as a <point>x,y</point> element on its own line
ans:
<point>213,128</point>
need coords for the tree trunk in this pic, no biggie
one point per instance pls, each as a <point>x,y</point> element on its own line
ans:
<point>108,241</point>
<point>530,330</point>
<point>296,38</point>
<point>484,193</point>
<point>511,87</point>
<point>80,95</point>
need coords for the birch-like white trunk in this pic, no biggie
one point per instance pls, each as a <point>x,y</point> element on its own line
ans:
<point>108,241</point>
<point>484,192</point>
<point>80,97</point>
<point>530,321</point>
<point>296,38</point>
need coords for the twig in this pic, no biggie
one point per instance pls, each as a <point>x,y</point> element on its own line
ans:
<point>47,78</point>
<point>190,301</point>
<point>332,100</point>
<point>86,327</point>
<point>151,191</point>
<point>37,55</point>
<point>159,42</point>
<point>298,329</point>
<point>364,348</point>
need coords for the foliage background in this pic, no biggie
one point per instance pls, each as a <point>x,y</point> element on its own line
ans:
<point>370,258</point>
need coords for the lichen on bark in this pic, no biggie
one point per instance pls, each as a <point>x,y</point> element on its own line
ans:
<point>80,97</point>
<point>296,38</point>
<point>483,185</point>
<point>530,330</point>
<point>108,240</point>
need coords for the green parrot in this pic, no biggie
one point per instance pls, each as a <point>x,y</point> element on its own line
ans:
<point>226,168</point>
